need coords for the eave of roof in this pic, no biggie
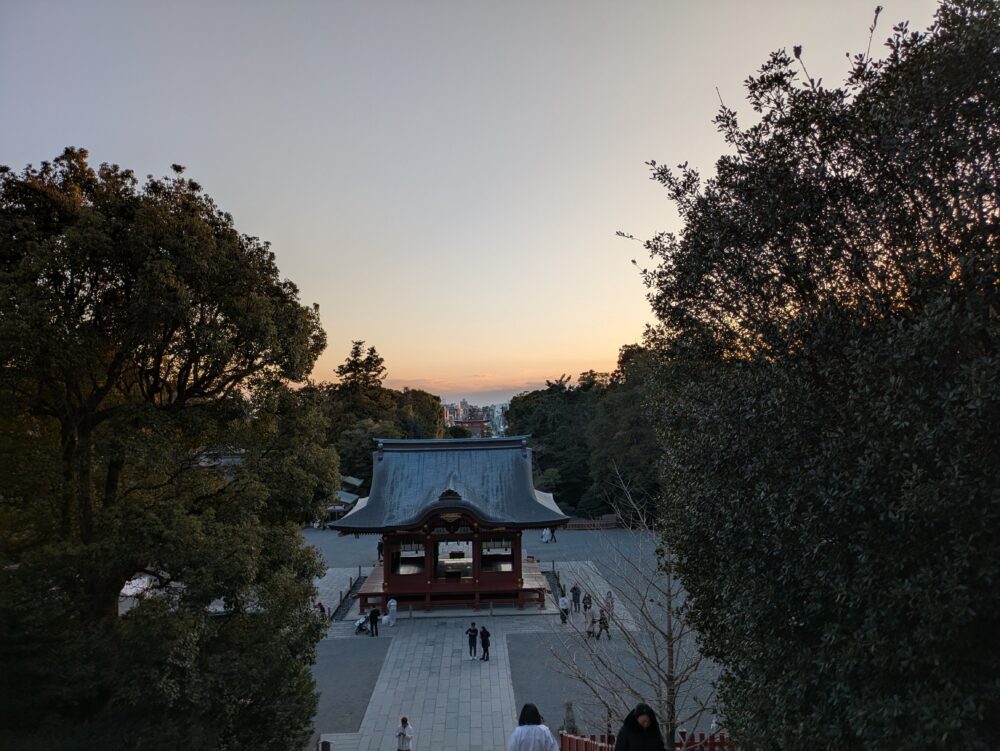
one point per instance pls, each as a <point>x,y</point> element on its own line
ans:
<point>488,479</point>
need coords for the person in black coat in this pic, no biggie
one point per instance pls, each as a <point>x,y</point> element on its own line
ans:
<point>484,641</point>
<point>640,731</point>
<point>373,618</point>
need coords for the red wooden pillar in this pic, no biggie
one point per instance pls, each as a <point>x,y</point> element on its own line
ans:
<point>430,556</point>
<point>477,553</point>
<point>386,562</point>
<point>515,553</point>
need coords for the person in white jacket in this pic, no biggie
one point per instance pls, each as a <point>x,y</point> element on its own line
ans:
<point>530,734</point>
<point>404,735</point>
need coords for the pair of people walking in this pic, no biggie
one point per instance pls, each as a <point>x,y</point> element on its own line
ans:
<point>598,624</point>
<point>481,634</point>
<point>639,732</point>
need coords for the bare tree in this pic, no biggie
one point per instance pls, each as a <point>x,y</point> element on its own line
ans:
<point>653,657</point>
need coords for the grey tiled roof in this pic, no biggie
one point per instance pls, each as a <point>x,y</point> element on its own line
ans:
<point>489,478</point>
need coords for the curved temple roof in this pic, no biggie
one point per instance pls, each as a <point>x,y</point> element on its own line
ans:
<point>488,478</point>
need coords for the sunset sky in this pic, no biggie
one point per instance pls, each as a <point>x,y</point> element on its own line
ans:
<point>444,178</point>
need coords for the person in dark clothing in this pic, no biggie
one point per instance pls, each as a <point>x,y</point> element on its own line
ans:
<point>373,619</point>
<point>484,641</point>
<point>553,533</point>
<point>588,602</point>
<point>380,547</point>
<point>602,624</point>
<point>640,731</point>
<point>574,592</point>
<point>473,633</point>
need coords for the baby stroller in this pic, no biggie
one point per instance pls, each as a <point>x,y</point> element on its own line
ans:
<point>361,625</point>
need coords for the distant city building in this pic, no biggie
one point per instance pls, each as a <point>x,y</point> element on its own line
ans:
<point>476,428</point>
<point>493,414</point>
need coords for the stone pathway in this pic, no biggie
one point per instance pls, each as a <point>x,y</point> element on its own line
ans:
<point>336,583</point>
<point>591,580</point>
<point>454,703</point>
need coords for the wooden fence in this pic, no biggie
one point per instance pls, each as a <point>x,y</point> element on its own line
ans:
<point>586,742</point>
<point>686,742</point>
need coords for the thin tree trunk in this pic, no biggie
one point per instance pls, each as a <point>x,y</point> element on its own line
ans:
<point>111,481</point>
<point>85,493</point>
<point>68,441</point>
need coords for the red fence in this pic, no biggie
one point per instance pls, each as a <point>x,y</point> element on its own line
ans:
<point>586,742</point>
<point>714,742</point>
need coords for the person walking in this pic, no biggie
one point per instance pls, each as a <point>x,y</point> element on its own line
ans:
<point>473,633</point>
<point>546,535</point>
<point>574,593</point>
<point>640,731</point>
<point>530,734</point>
<point>602,624</point>
<point>392,605</point>
<point>484,641</point>
<point>404,735</point>
<point>591,624</point>
<point>373,618</point>
<point>563,608</point>
<point>380,548</point>
<point>552,532</point>
<point>588,603</point>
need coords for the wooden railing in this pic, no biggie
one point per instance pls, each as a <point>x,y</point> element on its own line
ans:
<point>711,742</point>
<point>686,742</point>
<point>577,524</point>
<point>586,742</point>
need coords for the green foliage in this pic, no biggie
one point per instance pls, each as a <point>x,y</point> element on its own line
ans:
<point>355,446</point>
<point>557,417</point>
<point>590,437</point>
<point>360,408</point>
<point>359,395</point>
<point>419,414</point>
<point>828,398</point>
<point>363,370</point>
<point>457,431</point>
<point>145,348</point>
<point>622,437</point>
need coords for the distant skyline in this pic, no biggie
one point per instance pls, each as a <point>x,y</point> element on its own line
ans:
<point>444,179</point>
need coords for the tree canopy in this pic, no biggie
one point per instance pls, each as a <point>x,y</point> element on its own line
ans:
<point>557,417</point>
<point>828,396</point>
<point>359,409</point>
<point>588,436</point>
<point>145,352</point>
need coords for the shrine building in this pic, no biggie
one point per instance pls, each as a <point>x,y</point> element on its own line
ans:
<point>450,514</point>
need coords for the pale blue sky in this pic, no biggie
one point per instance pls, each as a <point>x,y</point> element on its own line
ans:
<point>444,178</point>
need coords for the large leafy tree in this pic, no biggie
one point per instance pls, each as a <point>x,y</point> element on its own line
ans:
<point>419,414</point>
<point>622,437</point>
<point>829,397</point>
<point>557,417</point>
<point>145,349</point>
<point>356,445</point>
<point>359,409</point>
<point>359,393</point>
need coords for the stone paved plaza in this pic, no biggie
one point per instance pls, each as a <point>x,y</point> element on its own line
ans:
<point>420,668</point>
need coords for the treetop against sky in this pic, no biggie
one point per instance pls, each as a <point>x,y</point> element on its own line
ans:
<point>444,179</point>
